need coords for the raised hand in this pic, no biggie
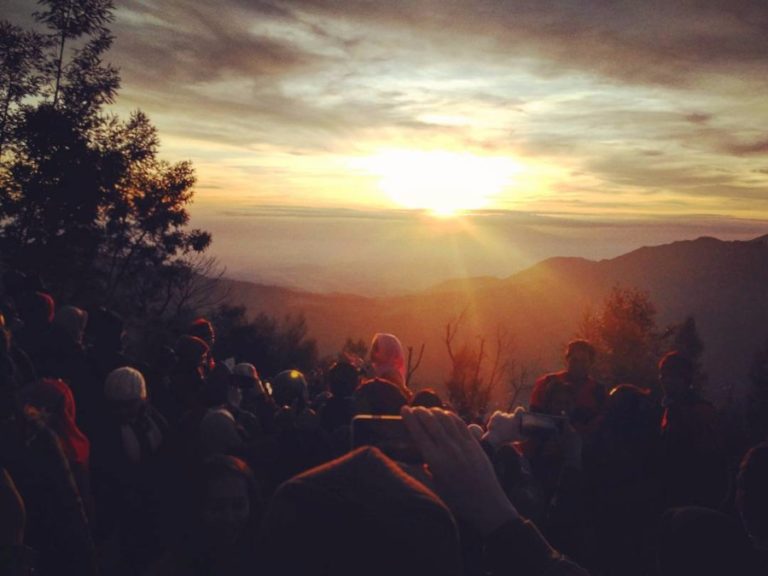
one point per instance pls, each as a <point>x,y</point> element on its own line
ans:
<point>463,475</point>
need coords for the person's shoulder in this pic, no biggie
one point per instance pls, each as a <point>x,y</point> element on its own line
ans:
<point>551,377</point>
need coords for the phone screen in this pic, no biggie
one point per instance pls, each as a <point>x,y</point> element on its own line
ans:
<point>534,424</point>
<point>388,433</point>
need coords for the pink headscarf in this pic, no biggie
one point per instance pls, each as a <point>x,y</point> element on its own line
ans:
<point>388,358</point>
<point>55,397</point>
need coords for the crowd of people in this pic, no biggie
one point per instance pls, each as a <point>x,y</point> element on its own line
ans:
<point>194,464</point>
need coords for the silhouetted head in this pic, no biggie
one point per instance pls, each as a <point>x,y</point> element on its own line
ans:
<point>220,387</point>
<point>704,542</point>
<point>203,329</point>
<point>246,378</point>
<point>379,397</point>
<point>427,398</point>
<point>51,401</point>
<point>752,494</point>
<point>579,358</point>
<point>676,374</point>
<point>343,378</point>
<point>359,514</point>
<point>229,499</point>
<point>37,310</point>
<point>630,413</point>
<point>106,330</point>
<point>289,389</point>
<point>192,354</point>
<point>126,392</point>
<point>71,321</point>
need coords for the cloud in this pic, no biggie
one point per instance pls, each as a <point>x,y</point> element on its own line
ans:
<point>748,148</point>
<point>633,98</point>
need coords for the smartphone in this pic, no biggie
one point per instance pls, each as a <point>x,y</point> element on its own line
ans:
<point>388,434</point>
<point>538,425</point>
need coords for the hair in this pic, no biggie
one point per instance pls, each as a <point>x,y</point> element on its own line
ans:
<point>584,345</point>
<point>752,491</point>
<point>343,379</point>
<point>105,329</point>
<point>677,365</point>
<point>190,351</point>
<point>427,398</point>
<point>379,397</point>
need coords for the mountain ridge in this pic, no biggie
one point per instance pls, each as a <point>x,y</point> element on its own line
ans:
<point>722,284</point>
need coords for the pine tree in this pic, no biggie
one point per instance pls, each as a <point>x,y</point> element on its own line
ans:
<point>86,200</point>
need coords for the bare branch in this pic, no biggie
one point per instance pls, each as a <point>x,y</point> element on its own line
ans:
<point>413,367</point>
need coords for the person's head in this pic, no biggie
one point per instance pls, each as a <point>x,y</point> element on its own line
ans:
<point>37,310</point>
<point>752,494</point>
<point>704,542</point>
<point>220,387</point>
<point>126,393</point>
<point>579,358</point>
<point>676,373</point>
<point>106,330</point>
<point>388,358</point>
<point>203,329</point>
<point>229,499</point>
<point>51,401</point>
<point>379,397</point>
<point>71,320</point>
<point>289,389</point>
<point>192,355</point>
<point>359,514</point>
<point>343,378</point>
<point>427,398</point>
<point>246,378</point>
<point>630,412</point>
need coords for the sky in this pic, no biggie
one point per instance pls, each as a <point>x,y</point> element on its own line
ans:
<point>385,146</point>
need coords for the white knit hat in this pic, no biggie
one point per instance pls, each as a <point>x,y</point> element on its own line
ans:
<point>125,384</point>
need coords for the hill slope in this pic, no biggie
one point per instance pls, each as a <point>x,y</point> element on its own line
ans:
<point>724,285</point>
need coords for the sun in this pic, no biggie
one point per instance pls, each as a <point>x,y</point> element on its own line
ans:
<point>444,183</point>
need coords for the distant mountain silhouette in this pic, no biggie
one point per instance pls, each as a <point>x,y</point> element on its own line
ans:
<point>722,284</point>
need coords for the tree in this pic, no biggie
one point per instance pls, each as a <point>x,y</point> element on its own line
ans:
<point>354,351</point>
<point>625,336</point>
<point>84,197</point>
<point>21,59</point>
<point>265,342</point>
<point>83,83</point>
<point>472,381</point>
<point>413,363</point>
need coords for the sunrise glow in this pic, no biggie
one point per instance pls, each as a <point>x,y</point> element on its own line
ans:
<point>441,182</point>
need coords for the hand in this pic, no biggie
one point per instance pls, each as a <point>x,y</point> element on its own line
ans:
<point>504,427</point>
<point>463,475</point>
